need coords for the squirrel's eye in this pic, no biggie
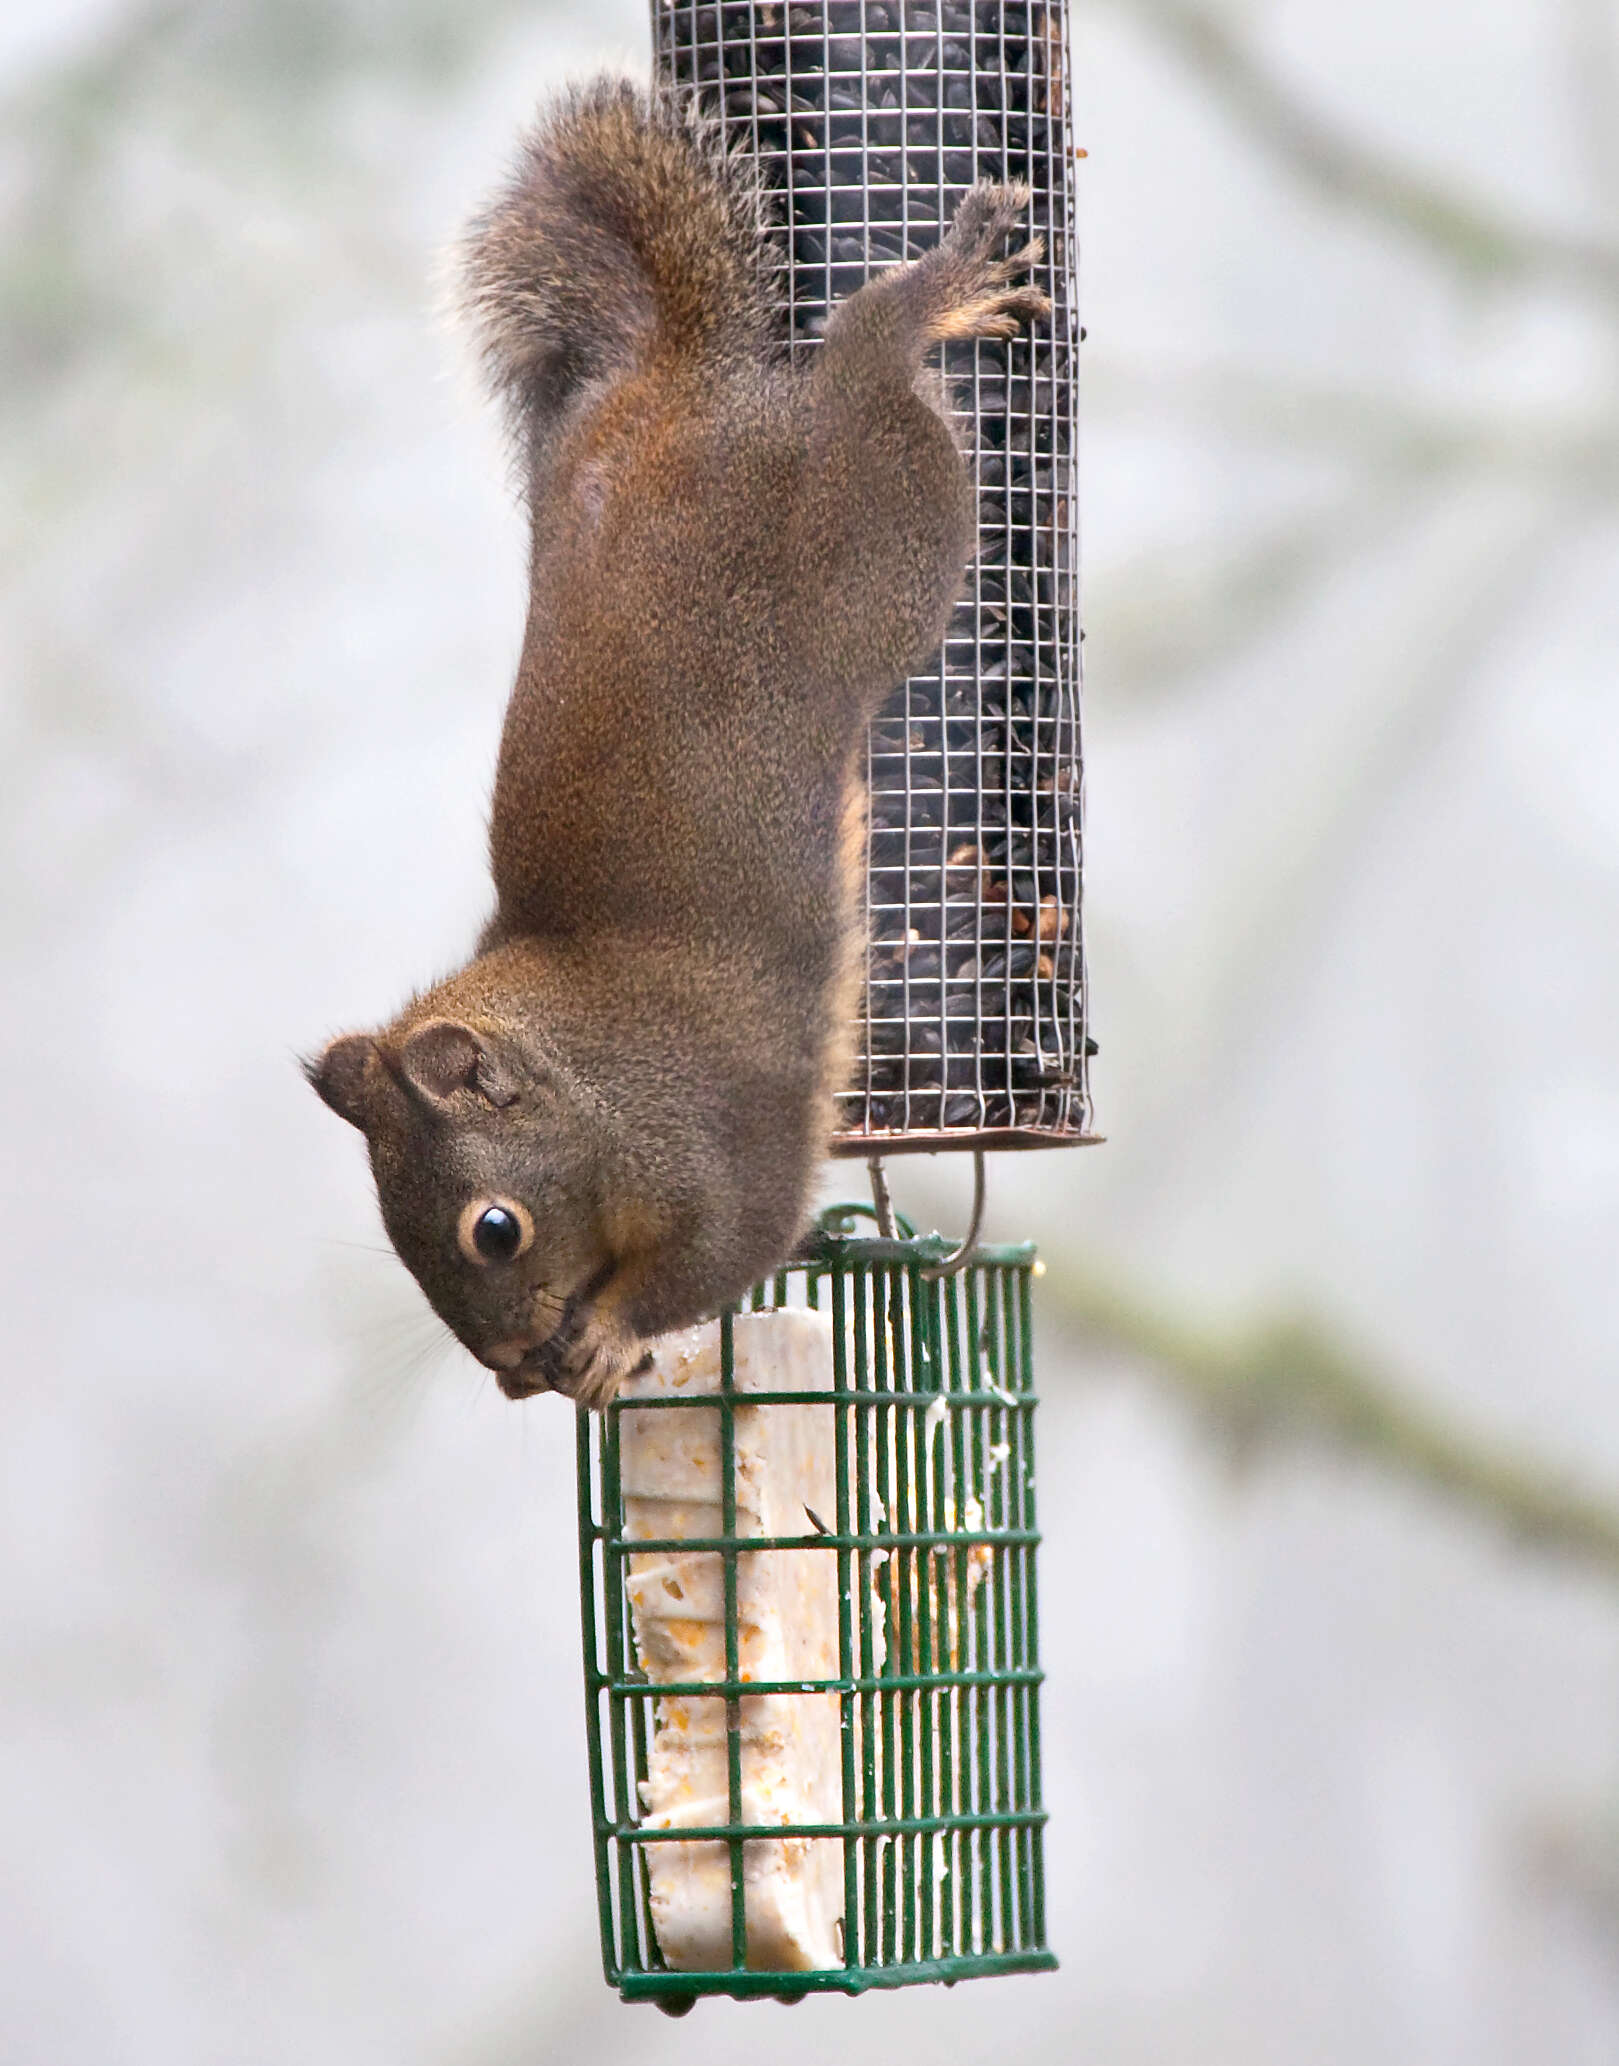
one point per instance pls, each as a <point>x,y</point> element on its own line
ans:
<point>496,1234</point>
<point>494,1230</point>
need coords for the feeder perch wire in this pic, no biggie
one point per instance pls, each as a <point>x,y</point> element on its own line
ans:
<point>869,119</point>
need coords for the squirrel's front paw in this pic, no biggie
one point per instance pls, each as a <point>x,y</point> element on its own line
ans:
<point>590,1366</point>
<point>974,290</point>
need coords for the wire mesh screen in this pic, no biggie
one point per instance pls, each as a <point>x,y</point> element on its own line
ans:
<point>869,120</point>
<point>921,1404</point>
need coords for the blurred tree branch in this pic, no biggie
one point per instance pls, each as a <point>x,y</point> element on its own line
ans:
<point>1288,1380</point>
<point>1465,231</point>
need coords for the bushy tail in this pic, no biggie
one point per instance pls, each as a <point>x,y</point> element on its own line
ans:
<point>625,232</point>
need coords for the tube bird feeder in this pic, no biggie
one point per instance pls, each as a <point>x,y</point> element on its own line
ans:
<point>868,120</point>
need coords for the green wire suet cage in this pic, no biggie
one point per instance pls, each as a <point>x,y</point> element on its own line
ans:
<point>930,1395</point>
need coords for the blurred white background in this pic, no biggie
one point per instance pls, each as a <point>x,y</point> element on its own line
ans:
<point>293,1758</point>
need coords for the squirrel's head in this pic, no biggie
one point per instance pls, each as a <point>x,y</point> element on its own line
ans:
<point>490,1161</point>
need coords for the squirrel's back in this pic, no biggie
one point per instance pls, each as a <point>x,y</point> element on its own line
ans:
<point>607,1123</point>
<point>625,235</point>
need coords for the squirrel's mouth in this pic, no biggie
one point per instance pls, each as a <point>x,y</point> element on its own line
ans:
<point>544,1368</point>
<point>588,1372</point>
<point>551,1365</point>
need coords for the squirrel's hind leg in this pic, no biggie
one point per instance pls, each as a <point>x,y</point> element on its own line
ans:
<point>967,286</point>
<point>882,533</point>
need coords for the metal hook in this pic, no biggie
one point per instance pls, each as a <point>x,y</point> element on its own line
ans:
<point>958,1258</point>
<point>882,1203</point>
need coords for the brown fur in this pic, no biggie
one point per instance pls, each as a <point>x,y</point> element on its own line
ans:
<point>731,566</point>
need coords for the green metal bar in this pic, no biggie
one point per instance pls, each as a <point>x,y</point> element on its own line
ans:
<point>879,1539</point>
<point>589,1529</point>
<point>686,1402</point>
<point>979,1701</point>
<point>872,1250</point>
<point>877,1682</point>
<point>1020,1435</point>
<point>1031,1609</point>
<point>933,1634</point>
<point>828,1980</point>
<point>912,1605</point>
<point>917,1436</point>
<point>870,1939</point>
<point>1012,1491</point>
<point>612,1524</point>
<point>886,1350</point>
<point>848,1564</point>
<point>946,1658</point>
<point>949,1736</point>
<point>913,1440</point>
<point>991,1432</point>
<point>883,1825</point>
<point>835,1224</point>
<point>996,1585</point>
<point>1019,1470</point>
<point>733,1664</point>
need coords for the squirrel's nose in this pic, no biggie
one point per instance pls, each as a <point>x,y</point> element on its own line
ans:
<point>506,1355</point>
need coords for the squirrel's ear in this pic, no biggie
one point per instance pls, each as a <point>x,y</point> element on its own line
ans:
<point>441,1058</point>
<point>338,1072</point>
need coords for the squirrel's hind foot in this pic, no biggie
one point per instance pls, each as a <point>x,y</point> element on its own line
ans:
<point>968,280</point>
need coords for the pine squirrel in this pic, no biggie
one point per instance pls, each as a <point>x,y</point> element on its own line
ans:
<point>607,1124</point>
